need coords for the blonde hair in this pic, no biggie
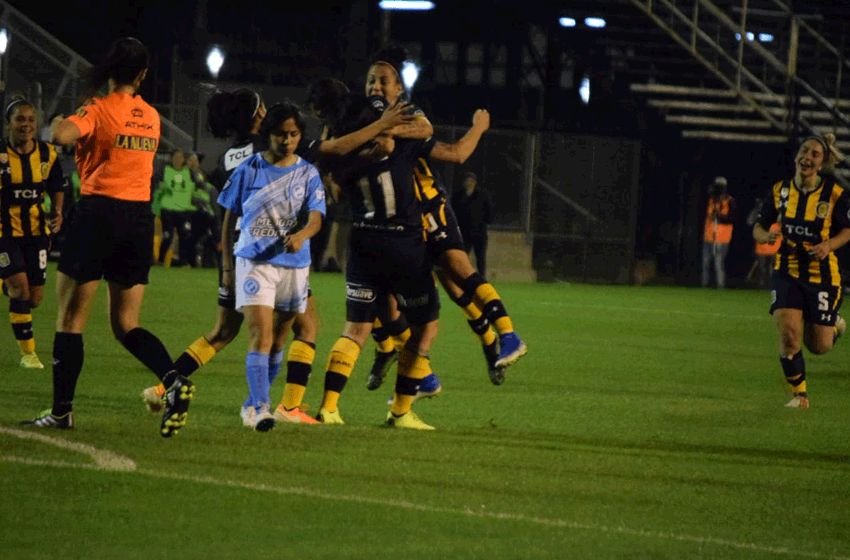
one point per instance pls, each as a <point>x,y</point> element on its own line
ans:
<point>831,155</point>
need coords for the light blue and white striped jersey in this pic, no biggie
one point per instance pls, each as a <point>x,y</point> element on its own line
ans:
<point>273,202</point>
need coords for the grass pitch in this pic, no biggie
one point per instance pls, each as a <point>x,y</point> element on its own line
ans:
<point>643,423</point>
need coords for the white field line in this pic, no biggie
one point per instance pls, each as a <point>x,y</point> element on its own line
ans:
<point>103,459</point>
<point>119,463</point>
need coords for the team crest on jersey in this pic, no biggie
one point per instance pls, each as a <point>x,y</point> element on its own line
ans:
<point>783,192</point>
<point>4,259</point>
<point>251,286</point>
<point>44,169</point>
<point>822,209</point>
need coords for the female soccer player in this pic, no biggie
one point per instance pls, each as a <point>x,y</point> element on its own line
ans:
<point>387,255</point>
<point>28,170</point>
<point>111,235</point>
<point>812,211</point>
<point>280,200</point>
<point>479,301</point>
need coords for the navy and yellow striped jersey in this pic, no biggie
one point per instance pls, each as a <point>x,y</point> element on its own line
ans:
<point>427,186</point>
<point>806,219</point>
<point>24,180</point>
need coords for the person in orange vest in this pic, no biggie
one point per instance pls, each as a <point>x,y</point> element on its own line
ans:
<point>765,253</point>
<point>719,220</point>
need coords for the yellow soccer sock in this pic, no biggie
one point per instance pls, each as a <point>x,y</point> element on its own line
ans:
<point>299,363</point>
<point>412,368</point>
<point>201,351</point>
<point>341,362</point>
<point>486,297</point>
<point>382,339</point>
<point>478,323</point>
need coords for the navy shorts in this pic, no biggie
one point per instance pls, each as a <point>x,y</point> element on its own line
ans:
<point>819,303</point>
<point>111,239</point>
<point>380,264</point>
<point>441,229</point>
<point>25,254</point>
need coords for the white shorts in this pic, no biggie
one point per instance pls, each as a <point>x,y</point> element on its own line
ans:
<point>269,285</point>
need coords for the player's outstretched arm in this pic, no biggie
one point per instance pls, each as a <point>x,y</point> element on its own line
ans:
<point>459,151</point>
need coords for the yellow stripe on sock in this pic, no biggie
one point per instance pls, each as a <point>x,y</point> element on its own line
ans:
<point>414,366</point>
<point>27,346</point>
<point>300,351</point>
<point>201,351</point>
<point>18,318</point>
<point>293,395</point>
<point>400,340</point>
<point>342,358</point>
<point>472,313</point>
<point>485,293</point>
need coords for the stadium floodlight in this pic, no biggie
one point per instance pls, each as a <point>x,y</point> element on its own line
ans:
<point>419,5</point>
<point>594,22</point>
<point>750,36</point>
<point>567,22</point>
<point>409,74</point>
<point>4,41</point>
<point>584,90</point>
<point>215,60</point>
<point>765,37</point>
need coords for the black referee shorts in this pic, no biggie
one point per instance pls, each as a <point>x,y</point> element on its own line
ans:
<point>110,239</point>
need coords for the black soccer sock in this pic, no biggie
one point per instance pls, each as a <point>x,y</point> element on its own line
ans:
<point>794,368</point>
<point>149,350</point>
<point>67,365</point>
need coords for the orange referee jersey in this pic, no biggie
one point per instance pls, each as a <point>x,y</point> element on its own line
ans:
<point>119,135</point>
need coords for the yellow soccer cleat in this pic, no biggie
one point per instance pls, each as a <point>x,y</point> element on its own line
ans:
<point>31,361</point>
<point>407,420</point>
<point>327,417</point>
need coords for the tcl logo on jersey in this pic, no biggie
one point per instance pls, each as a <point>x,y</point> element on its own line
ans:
<point>26,194</point>
<point>235,156</point>
<point>798,231</point>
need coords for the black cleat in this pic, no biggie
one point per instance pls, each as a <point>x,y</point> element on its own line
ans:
<point>177,399</point>
<point>47,420</point>
<point>491,353</point>
<point>383,362</point>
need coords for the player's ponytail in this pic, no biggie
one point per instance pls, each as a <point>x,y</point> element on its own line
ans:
<point>124,60</point>
<point>233,113</point>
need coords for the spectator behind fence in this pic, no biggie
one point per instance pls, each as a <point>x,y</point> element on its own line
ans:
<point>207,217</point>
<point>719,219</point>
<point>174,198</point>
<point>472,207</point>
<point>765,253</point>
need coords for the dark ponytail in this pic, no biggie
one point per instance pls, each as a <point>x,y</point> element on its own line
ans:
<point>232,113</point>
<point>124,59</point>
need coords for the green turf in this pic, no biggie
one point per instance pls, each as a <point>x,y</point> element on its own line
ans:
<point>643,423</point>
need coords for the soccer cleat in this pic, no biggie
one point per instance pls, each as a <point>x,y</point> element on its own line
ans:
<point>249,416</point>
<point>511,349</point>
<point>327,417</point>
<point>430,386</point>
<point>295,416</point>
<point>47,420</point>
<point>799,401</point>
<point>31,361</point>
<point>177,400</point>
<point>407,420</point>
<point>264,419</point>
<point>383,362</point>
<point>153,397</point>
<point>491,353</point>
<point>840,327</point>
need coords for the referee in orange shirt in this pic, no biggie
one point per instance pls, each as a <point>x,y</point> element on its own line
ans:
<point>111,234</point>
